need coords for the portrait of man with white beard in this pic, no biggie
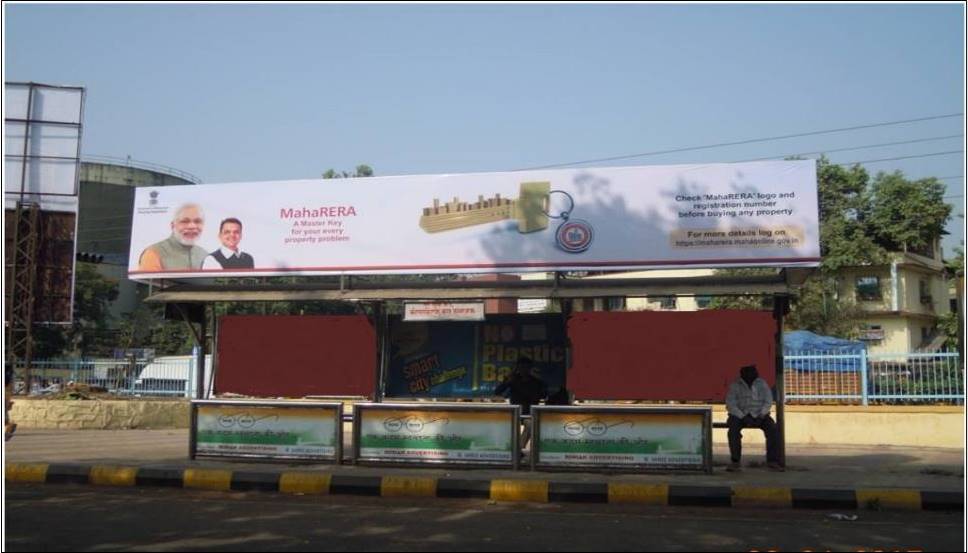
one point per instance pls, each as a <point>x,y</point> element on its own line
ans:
<point>178,251</point>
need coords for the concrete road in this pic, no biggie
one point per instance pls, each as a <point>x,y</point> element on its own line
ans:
<point>87,518</point>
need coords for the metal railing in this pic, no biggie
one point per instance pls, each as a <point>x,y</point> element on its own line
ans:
<point>122,377</point>
<point>865,378</point>
<point>809,377</point>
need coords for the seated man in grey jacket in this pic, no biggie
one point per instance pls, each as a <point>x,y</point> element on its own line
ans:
<point>748,403</point>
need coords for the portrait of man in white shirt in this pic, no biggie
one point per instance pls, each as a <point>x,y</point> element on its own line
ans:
<point>229,256</point>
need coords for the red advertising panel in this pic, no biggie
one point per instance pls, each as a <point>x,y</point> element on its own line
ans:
<point>296,356</point>
<point>661,355</point>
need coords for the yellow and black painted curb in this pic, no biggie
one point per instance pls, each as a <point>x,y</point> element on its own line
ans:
<point>523,489</point>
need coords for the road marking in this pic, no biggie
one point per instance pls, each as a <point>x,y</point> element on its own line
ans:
<point>648,494</point>
<point>520,490</point>
<point>105,475</point>
<point>208,479</point>
<point>878,499</point>
<point>305,482</point>
<point>408,486</point>
<point>748,496</point>
<point>26,472</point>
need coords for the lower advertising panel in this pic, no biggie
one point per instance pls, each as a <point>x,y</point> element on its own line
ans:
<point>632,438</point>
<point>293,430</point>
<point>436,434</point>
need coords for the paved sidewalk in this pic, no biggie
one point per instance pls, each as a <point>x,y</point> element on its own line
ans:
<point>845,474</point>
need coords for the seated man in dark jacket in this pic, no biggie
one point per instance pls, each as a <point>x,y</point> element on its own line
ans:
<point>525,389</point>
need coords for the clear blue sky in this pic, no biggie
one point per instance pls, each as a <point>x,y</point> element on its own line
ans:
<point>263,92</point>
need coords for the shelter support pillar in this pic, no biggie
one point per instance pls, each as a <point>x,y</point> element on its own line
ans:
<point>381,327</point>
<point>566,311</point>
<point>213,352</point>
<point>781,306</point>
<point>201,392</point>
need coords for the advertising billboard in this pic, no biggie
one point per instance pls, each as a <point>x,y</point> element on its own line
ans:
<point>451,434</point>
<point>712,215</point>
<point>297,431</point>
<point>42,144</point>
<point>621,437</point>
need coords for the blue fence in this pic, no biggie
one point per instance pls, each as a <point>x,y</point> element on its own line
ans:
<point>864,378</point>
<point>809,377</point>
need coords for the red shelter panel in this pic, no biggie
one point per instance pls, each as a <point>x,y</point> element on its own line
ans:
<point>296,356</point>
<point>661,355</point>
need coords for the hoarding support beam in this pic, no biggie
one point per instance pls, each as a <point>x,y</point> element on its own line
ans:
<point>23,273</point>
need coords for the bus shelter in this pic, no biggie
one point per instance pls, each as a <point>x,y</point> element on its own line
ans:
<point>650,356</point>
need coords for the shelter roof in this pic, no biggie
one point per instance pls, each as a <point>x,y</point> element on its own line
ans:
<point>362,288</point>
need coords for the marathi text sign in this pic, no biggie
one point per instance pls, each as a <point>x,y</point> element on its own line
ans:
<point>622,437</point>
<point>443,311</point>
<point>712,215</point>
<point>307,431</point>
<point>435,434</point>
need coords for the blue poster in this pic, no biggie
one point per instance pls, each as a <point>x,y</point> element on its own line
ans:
<point>456,359</point>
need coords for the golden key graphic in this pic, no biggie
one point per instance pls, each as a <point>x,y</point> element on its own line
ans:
<point>530,210</point>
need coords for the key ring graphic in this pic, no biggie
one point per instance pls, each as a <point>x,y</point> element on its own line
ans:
<point>573,235</point>
<point>245,420</point>
<point>594,426</point>
<point>412,423</point>
<point>565,213</point>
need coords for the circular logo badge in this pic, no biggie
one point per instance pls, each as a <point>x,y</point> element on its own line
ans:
<point>574,236</point>
<point>415,425</point>
<point>597,428</point>
<point>574,428</point>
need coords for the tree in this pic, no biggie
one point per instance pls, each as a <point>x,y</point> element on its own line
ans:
<point>952,323</point>
<point>907,215</point>
<point>361,171</point>
<point>93,294</point>
<point>950,326</point>
<point>50,341</point>
<point>955,267</point>
<point>844,235</point>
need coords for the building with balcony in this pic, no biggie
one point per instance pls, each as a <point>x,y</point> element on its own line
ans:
<point>902,300</point>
